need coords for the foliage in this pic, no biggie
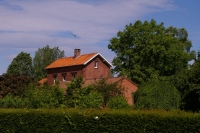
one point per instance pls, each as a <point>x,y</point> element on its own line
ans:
<point>74,91</point>
<point>10,101</point>
<point>44,96</point>
<point>13,83</point>
<point>92,100</point>
<point>108,90</point>
<point>191,96</point>
<point>94,121</point>
<point>146,48</point>
<point>118,102</point>
<point>21,65</point>
<point>157,93</point>
<point>44,57</point>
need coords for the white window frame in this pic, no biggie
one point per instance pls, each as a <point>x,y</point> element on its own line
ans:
<point>95,64</point>
<point>64,77</point>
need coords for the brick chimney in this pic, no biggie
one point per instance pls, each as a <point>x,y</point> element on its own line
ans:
<point>77,52</point>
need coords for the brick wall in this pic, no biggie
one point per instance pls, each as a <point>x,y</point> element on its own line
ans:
<point>102,70</point>
<point>129,89</point>
<point>60,72</point>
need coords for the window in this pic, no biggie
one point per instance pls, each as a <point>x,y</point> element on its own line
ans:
<point>54,78</point>
<point>73,75</point>
<point>95,64</point>
<point>64,77</point>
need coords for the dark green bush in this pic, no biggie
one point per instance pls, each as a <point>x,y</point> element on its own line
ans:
<point>157,94</point>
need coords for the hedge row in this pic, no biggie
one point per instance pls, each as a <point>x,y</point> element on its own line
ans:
<point>94,121</point>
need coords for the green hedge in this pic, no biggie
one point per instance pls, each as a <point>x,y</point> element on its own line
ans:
<point>94,121</point>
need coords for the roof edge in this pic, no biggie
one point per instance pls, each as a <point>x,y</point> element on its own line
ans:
<point>96,56</point>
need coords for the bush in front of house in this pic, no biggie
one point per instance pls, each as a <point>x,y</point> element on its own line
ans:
<point>34,96</point>
<point>92,100</point>
<point>10,101</point>
<point>118,102</point>
<point>44,97</point>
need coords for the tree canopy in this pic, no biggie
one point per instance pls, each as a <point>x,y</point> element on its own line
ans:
<point>146,48</point>
<point>43,57</point>
<point>21,65</point>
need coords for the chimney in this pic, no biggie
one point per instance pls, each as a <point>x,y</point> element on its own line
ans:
<point>77,52</point>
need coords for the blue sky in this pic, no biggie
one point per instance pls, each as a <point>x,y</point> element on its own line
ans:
<point>26,25</point>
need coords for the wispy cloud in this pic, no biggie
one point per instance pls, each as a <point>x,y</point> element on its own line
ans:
<point>29,25</point>
<point>36,21</point>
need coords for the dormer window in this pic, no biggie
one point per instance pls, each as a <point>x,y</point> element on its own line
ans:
<point>96,64</point>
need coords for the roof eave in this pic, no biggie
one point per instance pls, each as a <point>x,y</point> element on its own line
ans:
<point>64,66</point>
<point>96,56</point>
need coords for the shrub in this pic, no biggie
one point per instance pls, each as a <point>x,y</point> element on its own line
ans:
<point>10,101</point>
<point>93,100</point>
<point>118,102</point>
<point>44,97</point>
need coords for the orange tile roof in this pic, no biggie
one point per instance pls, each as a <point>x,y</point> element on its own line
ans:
<point>71,61</point>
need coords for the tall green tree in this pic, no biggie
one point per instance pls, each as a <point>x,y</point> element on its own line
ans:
<point>43,57</point>
<point>21,65</point>
<point>146,48</point>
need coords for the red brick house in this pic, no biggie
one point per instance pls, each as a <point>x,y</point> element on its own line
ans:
<point>91,67</point>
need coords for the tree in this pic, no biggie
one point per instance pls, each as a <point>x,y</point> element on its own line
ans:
<point>43,57</point>
<point>74,89</point>
<point>13,84</point>
<point>21,65</point>
<point>146,48</point>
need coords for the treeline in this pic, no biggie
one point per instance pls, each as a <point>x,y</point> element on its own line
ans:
<point>23,64</point>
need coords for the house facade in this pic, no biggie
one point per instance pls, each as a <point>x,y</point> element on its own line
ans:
<point>89,66</point>
<point>92,67</point>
